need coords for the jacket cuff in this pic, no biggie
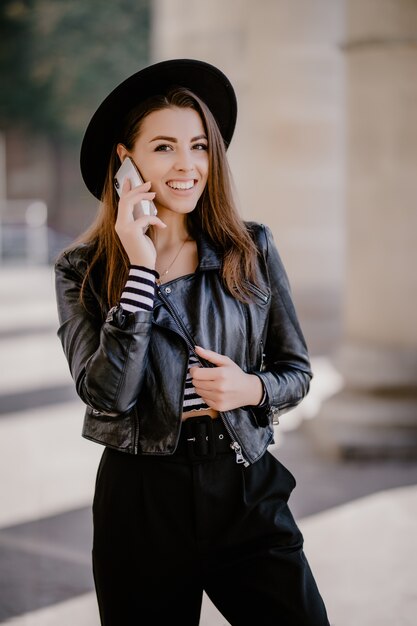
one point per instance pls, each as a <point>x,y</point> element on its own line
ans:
<point>119,317</point>
<point>261,411</point>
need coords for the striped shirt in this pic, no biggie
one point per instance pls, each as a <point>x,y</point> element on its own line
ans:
<point>139,291</point>
<point>192,401</point>
<point>139,295</point>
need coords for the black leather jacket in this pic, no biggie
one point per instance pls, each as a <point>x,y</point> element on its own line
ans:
<point>130,368</point>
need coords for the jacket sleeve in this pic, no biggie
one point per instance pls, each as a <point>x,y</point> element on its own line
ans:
<point>286,373</point>
<point>107,359</point>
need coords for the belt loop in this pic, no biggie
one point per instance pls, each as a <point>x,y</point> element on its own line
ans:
<point>200,438</point>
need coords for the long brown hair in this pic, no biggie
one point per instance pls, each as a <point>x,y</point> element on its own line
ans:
<point>215,214</point>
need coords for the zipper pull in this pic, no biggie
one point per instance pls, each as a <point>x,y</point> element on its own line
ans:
<point>238,451</point>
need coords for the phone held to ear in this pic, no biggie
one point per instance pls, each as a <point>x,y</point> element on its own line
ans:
<point>129,170</point>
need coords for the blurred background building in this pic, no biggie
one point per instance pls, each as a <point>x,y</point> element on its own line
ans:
<point>325,152</point>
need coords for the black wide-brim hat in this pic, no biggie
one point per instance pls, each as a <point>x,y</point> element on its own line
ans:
<point>105,127</point>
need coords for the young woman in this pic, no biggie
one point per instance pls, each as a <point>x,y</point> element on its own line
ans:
<point>183,342</point>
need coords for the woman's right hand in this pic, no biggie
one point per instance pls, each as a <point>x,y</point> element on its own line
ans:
<point>138,246</point>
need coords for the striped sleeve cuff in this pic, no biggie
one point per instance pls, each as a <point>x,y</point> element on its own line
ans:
<point>139,291</point>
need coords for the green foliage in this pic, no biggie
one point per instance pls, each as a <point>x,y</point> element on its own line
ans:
<point>59,58</point>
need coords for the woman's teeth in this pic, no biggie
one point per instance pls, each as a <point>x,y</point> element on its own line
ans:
<point>176,184</point>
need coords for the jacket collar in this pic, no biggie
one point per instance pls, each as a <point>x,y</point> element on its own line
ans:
<point>210,257</point>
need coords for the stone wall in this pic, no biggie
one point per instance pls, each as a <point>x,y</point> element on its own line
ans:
<point>287,155</point>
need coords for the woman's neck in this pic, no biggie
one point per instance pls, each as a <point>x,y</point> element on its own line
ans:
<point>176,252</point>
<point>171,236</point>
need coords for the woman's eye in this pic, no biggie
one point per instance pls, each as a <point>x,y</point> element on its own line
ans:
<point>163,147</point>
<point>200,146</point>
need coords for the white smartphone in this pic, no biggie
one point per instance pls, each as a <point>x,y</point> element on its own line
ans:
<point>129,170</point>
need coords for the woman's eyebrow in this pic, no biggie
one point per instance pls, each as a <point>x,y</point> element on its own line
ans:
<point>174,140</point>
<point>162,137</point>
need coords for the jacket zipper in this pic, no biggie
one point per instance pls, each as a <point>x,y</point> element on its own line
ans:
<point>262,365</point>
<point>183,331</point>
<point>136,432</point>
<point>236,447</point>
<point>257,292</point>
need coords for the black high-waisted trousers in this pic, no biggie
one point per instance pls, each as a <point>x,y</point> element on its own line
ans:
<point>167,528</point>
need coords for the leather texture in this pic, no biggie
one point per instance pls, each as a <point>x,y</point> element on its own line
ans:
<point>130,368</point>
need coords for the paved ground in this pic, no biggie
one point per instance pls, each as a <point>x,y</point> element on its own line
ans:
<point>358,518</point>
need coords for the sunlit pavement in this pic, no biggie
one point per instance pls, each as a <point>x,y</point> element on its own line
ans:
<point>358,519</point>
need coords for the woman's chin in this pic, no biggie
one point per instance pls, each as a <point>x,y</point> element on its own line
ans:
<point>180,208</point>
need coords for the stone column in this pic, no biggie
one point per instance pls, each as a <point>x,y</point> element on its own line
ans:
<point>376,412</point>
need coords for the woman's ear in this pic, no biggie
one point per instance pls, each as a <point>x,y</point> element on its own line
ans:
<point>122,152</point>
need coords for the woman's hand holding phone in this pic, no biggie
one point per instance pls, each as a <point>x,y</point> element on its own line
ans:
<point>131,231</point>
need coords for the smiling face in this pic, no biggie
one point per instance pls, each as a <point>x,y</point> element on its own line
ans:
<point>171,152</point>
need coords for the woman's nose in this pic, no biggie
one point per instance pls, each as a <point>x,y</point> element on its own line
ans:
<point>184,161</point>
